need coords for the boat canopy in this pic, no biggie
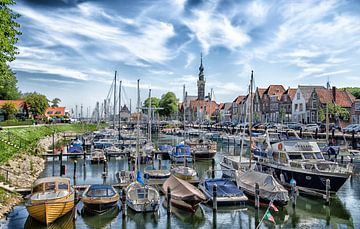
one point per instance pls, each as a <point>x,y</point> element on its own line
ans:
<point>182,149</point>
<point>182,189</point>
<point>100,190</point>
<point>225,187</point>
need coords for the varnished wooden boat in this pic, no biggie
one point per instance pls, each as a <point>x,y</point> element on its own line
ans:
<point>99,198</point>
<point>184,172</point>
<point>51,198</point>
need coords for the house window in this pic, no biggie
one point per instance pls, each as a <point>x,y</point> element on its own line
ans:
<point>301,107</point>
<point>296,107</point>
<point>357,106</point>
<point>314,104</point>
<point>58,112</point>
<point>298,96</point>
<point>49,112</point>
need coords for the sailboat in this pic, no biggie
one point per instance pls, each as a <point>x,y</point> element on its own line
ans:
<point>270,189</point>
<point>139,196</point>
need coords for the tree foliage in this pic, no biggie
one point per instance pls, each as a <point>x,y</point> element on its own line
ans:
<point>154,103</point>
<point>10,109</point>
<point>282,114</point>
<point>55,102</point>
<point>168,102</point>
<point>355,91</point>
<point>335,111</point>
<point>37,103</point>
<point>8,38</point>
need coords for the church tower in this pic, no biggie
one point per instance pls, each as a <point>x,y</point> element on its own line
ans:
<point>201,82</point>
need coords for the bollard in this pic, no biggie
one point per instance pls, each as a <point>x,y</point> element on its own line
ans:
<point>342,159</point>
<point>300,133</point>
<point>257,192</point>
<point>160,164</point>
<point>316,133</point>
<point>75,163</point>
<point>353,142</point>
<point>327,192</point>
<point>333,133</point>
<point>213,168</point>
<point>123,202</point>
<point>214,199</point>
<point>84,156</point>
<point>168,201</point>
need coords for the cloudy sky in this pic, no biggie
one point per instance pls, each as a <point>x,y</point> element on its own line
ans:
<point>71,48</point>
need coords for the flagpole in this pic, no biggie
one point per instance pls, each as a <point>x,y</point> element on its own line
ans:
<point>262,219</point>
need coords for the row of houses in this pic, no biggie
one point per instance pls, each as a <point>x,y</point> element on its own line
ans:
<point>24,113</point>
<point>276,104</point>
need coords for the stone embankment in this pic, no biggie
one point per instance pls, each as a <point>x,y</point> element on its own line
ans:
<point>25,169</point>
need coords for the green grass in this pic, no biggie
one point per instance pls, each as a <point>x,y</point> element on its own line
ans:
<point>15,122</point>
<point>29,137</point>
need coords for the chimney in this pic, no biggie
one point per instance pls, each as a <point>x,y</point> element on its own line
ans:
<point>334,94</point>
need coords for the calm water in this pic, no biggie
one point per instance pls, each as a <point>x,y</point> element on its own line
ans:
<point>344,210</point>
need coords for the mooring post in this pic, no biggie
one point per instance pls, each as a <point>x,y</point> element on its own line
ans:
<point>327,191</point>
<point>74,176</point>
<point>300,133</point>
<point>160,164</point>
<point>168,200</point>
<point>104,174</point>
<point>333,133</point>
<point>214,199</point>
<point>257,192</point>
<point>123,202</point>
<point>213,168</point>
<point>316,133</point>
<point>61,163</point>
<point>293,192</point>
<point>353,142</point>
<point>342,159</point>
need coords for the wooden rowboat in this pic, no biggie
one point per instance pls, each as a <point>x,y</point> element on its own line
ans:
<point>99,198</point>
<point>50,198</point>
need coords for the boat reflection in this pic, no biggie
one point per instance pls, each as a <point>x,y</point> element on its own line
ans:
<point>100,220</point>
<point>65,222</point>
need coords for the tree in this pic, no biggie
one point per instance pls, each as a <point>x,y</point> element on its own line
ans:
<point>10,109</point>
<point>8,38</point>
<point>154,103</point>
<point>282,113</point>
<point>355,91</point>
<point>168,102</point>
<point>55,102</point>
<point>335,112</point>
<point>37,103</point>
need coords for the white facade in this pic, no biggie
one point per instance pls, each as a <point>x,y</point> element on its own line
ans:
<point>299,108</point>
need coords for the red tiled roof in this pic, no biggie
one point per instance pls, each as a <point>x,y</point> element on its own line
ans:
<point>261,91</point>
<point>325,95</point>
<point>195,104</point>
<point>55,111</point>
<point>239,99</point>
<point>18,103</point>
<point>344,98</point>
<point>277,90</point>
<point>291,93</point>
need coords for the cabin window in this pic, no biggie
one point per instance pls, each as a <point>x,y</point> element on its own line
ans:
<point>295,156</point>
<point>38,188</point>
<point>308,166</point>
<point>295,165</point>
<point>110,192</point>
<point>319,155</point>
<point>63,186</point>
<point>141,193</point>
<point>308,156</point>
<point>323,166</point>
<point>49,186</point>
<point>283,158</point>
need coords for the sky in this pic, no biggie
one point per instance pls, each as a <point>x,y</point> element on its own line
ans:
<point>70,49</point>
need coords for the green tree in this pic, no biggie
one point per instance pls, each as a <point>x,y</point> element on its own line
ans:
<point>9,109</point>
<point>168,103</point>
<point>335,111</point>
<point>55,102</point>
<point>282,113</point>
<point>154,103</point>
<point>37,103</point>
<point>355,91</point>
<point>8,38</point>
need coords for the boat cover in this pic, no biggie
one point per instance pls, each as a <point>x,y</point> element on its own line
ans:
<point>225,187</point>
<point>182,189</point>
<point>269,188</point>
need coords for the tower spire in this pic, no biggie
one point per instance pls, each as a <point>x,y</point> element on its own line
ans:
<point>201,81</point>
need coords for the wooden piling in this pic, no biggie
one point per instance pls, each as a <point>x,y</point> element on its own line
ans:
<point>316,133</point>
<point>257,193</point>
<point>327,192</point>
<point>353,141</point>
<point>214,199</point>
<point>213,168</point>
<point>61,163</point>
<point>300,134</point>
<point>74,175</point>
<point>168,201</point>
<point>293,193</point>
<point>123,203</point>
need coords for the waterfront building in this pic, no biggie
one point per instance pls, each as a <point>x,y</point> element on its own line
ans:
<point>286,104</point>
<point>270,101</point>
<point>355,112</point>
<point>22,109</point>
<point>259,115</point>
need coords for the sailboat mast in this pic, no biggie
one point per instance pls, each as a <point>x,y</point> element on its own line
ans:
<point>327,117</point>
<point>120,109</point>
<point>184,111</point>
<point>250,118</point>
<point>149,116</point>
<point>137,125</point>
<point>114,101</point>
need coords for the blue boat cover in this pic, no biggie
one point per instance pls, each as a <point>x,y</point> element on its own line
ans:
<point>182,150</point>
<point>225,187</point>
<point>139,178</point>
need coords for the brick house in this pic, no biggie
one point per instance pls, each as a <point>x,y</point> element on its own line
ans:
<point>202,109</point>
<point>22,109</point>
<point>355,112</point>
<point>270,102</point>
<point>55,112</point>
<point>236,108</point>
<point>259,115</point>
<point>286,103</point>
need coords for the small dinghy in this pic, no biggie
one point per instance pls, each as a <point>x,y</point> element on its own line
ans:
<point>99,198</point>
<point>183,194</point>
<point>141,197</point>
<point>184,172</point>
<point>151,173</point>
<point>227,192</point>
<point>270,189</point>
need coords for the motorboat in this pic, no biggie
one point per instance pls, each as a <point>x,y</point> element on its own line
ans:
<point>184,172</point>
<point>181,154</point>
<point>99,198</point>
<point>97,156</point>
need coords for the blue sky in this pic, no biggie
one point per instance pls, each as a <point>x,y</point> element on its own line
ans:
<point>71,48</point>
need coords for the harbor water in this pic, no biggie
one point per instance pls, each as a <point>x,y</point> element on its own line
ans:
<point>310,212</point>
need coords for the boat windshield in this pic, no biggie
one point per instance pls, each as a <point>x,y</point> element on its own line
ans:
<point>142,193</point>
<point>49,186</point>
<point>63,186</point>
<point>308,155</point>
<point>100,192</point>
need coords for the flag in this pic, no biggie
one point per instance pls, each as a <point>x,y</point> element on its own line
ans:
<point>274,207</point>
<point>139,178</point>
<point>269,217</point>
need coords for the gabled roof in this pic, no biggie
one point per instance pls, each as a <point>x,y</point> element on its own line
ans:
<point>18,103</point>
<point>239,99</point>
<point>211,106</point>
<point>344,98</point>
<point>325,95</point>
<point>307,90</point>
<point>291,93</point>
<point>277,90</point>
<point>261,91</point>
